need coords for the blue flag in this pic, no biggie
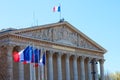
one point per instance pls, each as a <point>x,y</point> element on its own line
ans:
<point>28,52</point>
<point>42,60</point>
<point>36,54</point>
<point>59,9</point>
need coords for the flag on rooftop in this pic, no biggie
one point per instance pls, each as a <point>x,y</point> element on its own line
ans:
<point>56,8</point>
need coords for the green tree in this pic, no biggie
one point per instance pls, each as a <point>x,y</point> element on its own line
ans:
<point>115,76</point>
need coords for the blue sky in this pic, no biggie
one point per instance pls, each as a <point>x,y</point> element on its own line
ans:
<point>98,19</point>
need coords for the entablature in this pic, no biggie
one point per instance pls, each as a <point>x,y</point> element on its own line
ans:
<point>24,41</point>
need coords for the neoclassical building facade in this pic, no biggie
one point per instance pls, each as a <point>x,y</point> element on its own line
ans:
<point>70,54</point>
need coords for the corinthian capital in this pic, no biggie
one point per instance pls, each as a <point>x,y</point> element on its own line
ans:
<point>102,61</point>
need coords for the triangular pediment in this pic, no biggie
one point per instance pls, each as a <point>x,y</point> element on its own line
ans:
<point>61,33</point>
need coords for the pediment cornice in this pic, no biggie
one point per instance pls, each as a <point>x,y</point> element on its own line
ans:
<point>86,41</point>
<point>14,39</point>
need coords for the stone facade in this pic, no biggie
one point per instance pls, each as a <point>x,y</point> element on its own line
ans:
<point>70,54</point>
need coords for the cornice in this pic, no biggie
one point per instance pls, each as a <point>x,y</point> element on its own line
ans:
<point>54,25</point>
<point>86,37</point>
<point>38,27</point>
<point>60,24</point>
<point>34,40</point>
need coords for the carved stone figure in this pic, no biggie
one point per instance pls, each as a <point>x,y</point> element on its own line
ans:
<point>61,34</point>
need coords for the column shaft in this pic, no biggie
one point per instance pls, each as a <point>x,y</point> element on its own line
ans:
<point>67,67</point>
<point>50,66</point>
<point>10,63</point>
<point>31,76</point>
<point>89,69</point>
<point>21,71</point>
<point>102,69</point>
<point>82,68</point>
<point>96,69</point>
<point>42,73</point>
<point>75,68</point>
<point>59,68</point>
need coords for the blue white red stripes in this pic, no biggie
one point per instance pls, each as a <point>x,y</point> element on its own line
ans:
<point>29,55</point>
<point>56,9</point>
<point>18,56</point>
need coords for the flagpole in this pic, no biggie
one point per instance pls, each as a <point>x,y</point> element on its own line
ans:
<point>45,66</point>
<point>42,67</point>
<point>34,75</point>
<point>60,11</point>
<point>32,63</point>
<point>30,69</point>
<point>38,65</point>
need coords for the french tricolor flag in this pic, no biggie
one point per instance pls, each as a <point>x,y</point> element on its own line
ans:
<point>24,55</point>
<point>56,9</point>
<point>18,56</point>
<point>42,60</point>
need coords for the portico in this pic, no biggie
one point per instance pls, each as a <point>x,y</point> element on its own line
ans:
<point>70,54</point>
<point>71,67</point>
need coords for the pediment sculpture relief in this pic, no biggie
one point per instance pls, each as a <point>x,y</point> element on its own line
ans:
<point>65,34</point>
<point>42,34</point>
<point>60,34</point>
<point>83,43</point>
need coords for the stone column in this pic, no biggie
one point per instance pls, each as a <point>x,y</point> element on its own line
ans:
<point>89,69</point>
<point>96,69</point>
<point>59,68</point>
<point>42,72</point>
<point>21,71</point>
<point>82,68</point>
<point>75,71</point>
<point>10,62</point>
<point>50,65</point>
<point>67,67</point>
<point>43,67</point>
<point>102,69</point>
<point>31,71</point>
